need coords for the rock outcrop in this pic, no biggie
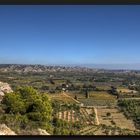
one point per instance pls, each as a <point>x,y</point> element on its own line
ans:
<point>5,88</point>
<point>4,130</point>
<point>42,132</point>
<point>34,132</point>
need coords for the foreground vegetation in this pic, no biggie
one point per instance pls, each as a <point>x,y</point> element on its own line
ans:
<point>131,109</point>
<point>25,109</point>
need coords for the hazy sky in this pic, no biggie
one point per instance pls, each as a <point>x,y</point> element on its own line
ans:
<point>70,34</point>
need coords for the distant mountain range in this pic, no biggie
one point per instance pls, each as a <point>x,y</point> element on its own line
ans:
<point>55,68</point>
<point>40,68</point>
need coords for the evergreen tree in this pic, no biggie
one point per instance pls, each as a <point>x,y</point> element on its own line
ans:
<point>75,97</point>
<point>26,101</point>
<point>87,94</point>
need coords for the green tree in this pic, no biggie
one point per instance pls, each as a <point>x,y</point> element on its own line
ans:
<point>108,114</point>
<point>27,101</point>
<point>87,94</point>
<point>75,97</point>
<point>12,103</point>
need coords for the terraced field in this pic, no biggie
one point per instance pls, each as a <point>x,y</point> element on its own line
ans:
<point>89,130</point>
<point>62,98</point>
<point>106,130</point>
<point>85,115</point>
<point>116,119</point>
<point>97,102</point>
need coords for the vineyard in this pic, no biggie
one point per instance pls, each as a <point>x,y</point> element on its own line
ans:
<point>97,98</point>
<point>84,115</point>
<point>93,116</point>
<point>97,102</point>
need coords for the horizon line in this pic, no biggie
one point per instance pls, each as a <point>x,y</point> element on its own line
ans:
<point>90,66</point>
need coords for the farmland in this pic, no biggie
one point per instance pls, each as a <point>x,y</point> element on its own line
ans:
<point>85,102</point>
<point>116,118</point>
<point>85,115</point>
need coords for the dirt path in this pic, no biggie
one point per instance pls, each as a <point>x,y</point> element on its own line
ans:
<point>133,98</point>
<point>96,116</point>
<point>71,98</point>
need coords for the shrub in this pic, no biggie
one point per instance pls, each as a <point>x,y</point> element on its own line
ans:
<point>27,104</point>
<point>108,114</point>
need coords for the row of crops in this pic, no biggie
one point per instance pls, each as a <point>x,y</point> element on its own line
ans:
<point>77,115</point>
<point>94,102</point>
<point>106,130</point>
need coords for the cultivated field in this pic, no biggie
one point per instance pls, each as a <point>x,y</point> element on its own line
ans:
<point>116,119</point>
<point>61,98</point>
<point>125,90</point>
<point>86,116</point>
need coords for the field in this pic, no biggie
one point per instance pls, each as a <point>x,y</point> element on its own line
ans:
<point>101,95</point>
<point>99,99</point>
<point>125,90</point>
<point>116,119</point>
<point>62,98</point>
<point>85,115</point>
<point>94,117</point>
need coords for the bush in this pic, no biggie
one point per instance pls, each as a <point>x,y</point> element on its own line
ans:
<point>60,131</point>
<point>12,103</point>
<point>57,131</point>
<point>108,114</point>
<point>27,104</point>
<point>16,122</point>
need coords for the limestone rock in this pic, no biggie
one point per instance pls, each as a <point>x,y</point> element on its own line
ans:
<point>42,132</point>
<point>5,88</point>
<point>4,130</point>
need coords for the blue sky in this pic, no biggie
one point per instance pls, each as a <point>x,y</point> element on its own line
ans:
<point>70,34</point>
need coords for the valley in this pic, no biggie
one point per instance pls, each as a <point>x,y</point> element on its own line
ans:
<point>84,102</point>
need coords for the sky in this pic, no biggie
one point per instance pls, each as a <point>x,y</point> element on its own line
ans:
<point>70,34</point>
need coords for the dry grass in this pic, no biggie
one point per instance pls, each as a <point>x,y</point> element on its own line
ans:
<point>61,97</point>
<point>60,115</point>
<point>89,111</point>
<point>65,115</point>
<point>99,132</point>
<point>101,95</point>
<point>73,118</point>
<point>69,116</point>
<point>125,90</point>
<point>79,95</point>
<point>103,87</point>
<point>118,118</point>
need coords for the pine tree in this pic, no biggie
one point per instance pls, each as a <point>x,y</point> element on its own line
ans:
<point>87,95</point>
<point>75,97</point>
